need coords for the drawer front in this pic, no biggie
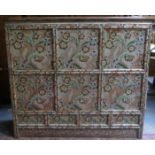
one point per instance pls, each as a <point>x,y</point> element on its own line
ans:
<point>30,120</point>
<point>79,75</point>
<point>94,120</point>
<point>130,119</point>
<point>62,120</point>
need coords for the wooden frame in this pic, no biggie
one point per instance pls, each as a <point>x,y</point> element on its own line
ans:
<point>106,131</point>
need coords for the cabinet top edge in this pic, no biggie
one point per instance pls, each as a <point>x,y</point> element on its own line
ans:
<point>77,18</point>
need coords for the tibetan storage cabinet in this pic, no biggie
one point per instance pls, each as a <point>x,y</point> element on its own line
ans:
<point>78,78</point>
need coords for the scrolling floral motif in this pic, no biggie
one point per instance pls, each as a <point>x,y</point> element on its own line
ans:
<point>123,48</point>
<point>31,49</point>
<point>78,49</point>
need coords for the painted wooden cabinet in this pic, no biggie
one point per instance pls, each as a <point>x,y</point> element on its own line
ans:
<point>78,79</point>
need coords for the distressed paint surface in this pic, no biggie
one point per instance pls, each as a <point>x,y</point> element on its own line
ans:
<point>97,71</point>
<point>125,119</point>
<point>34,93</point>
<point>123,48</point>
<point>78,49</point>
<point>121,92</point>
<point>61,119</point>
<point>77,93</point>
<point>31,49</point>
<point>93,119</point>
<point>31,119</point>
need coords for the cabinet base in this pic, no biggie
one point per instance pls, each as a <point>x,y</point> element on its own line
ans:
<point>76,133</point>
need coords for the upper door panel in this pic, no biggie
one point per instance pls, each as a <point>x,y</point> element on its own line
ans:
<point>78,49</point>
<point>123,48</point>
<point>31,49</point>
<point>78,46</point>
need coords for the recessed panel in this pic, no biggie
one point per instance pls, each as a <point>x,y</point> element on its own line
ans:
<point>123,48</point>
<point>125,119</point>
<point>77,49</point>
<point>77,93</point>
<point>121,92</point>
<point>31,49</point>
<point>24,119</point>
<point>34,92</point>
<point>93,120</point>
<point>62,119</point>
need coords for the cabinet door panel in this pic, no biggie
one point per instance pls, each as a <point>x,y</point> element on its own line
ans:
<point>123,48</point>
<point>31,49</point>
<point>77,93</point>
<point>121,92</point>
<point>34,92</point>
<point>78,49</point>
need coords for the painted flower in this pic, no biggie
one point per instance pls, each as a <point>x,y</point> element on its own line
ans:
<point>125,80</point>
<point>40,48</point>
<point>112,35</point>
<point>127,35</point>
<point>107,88</point>
<point>81,36</point>
<point>21,88</point>
<point>67,80</point>
<point>120,118</point>
<point>82,100</point>
<point>104,62</point>
<point>25,119</point>
<point>85,90</point>
<point>93,78</point>
<point>63,88</point>
<point>94,53</point>
<point>93,41</point>
<point>103,104</point>
<point>56,119</point>
<point>85,49</point>
<point>23,80</point>
<point>94,33</point>
<point>131,48</point>
<point>111,80</point>
<point>20,35</point>
<point>48,34</point>
<point>137,78</point>
<point>128,91</point>
<point>17,45</point>
<point>36,36</point>
<point>42,92</point>
<point>81,80</point>
<point>63,45</point>
<point>88,119</point>
<point>109,44</point>
<point>133,119</point>
<point>83,58</point>
<point>129,58</point>
<point>66,35</point>
<point>125,100</point>
<point>38,58</point>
